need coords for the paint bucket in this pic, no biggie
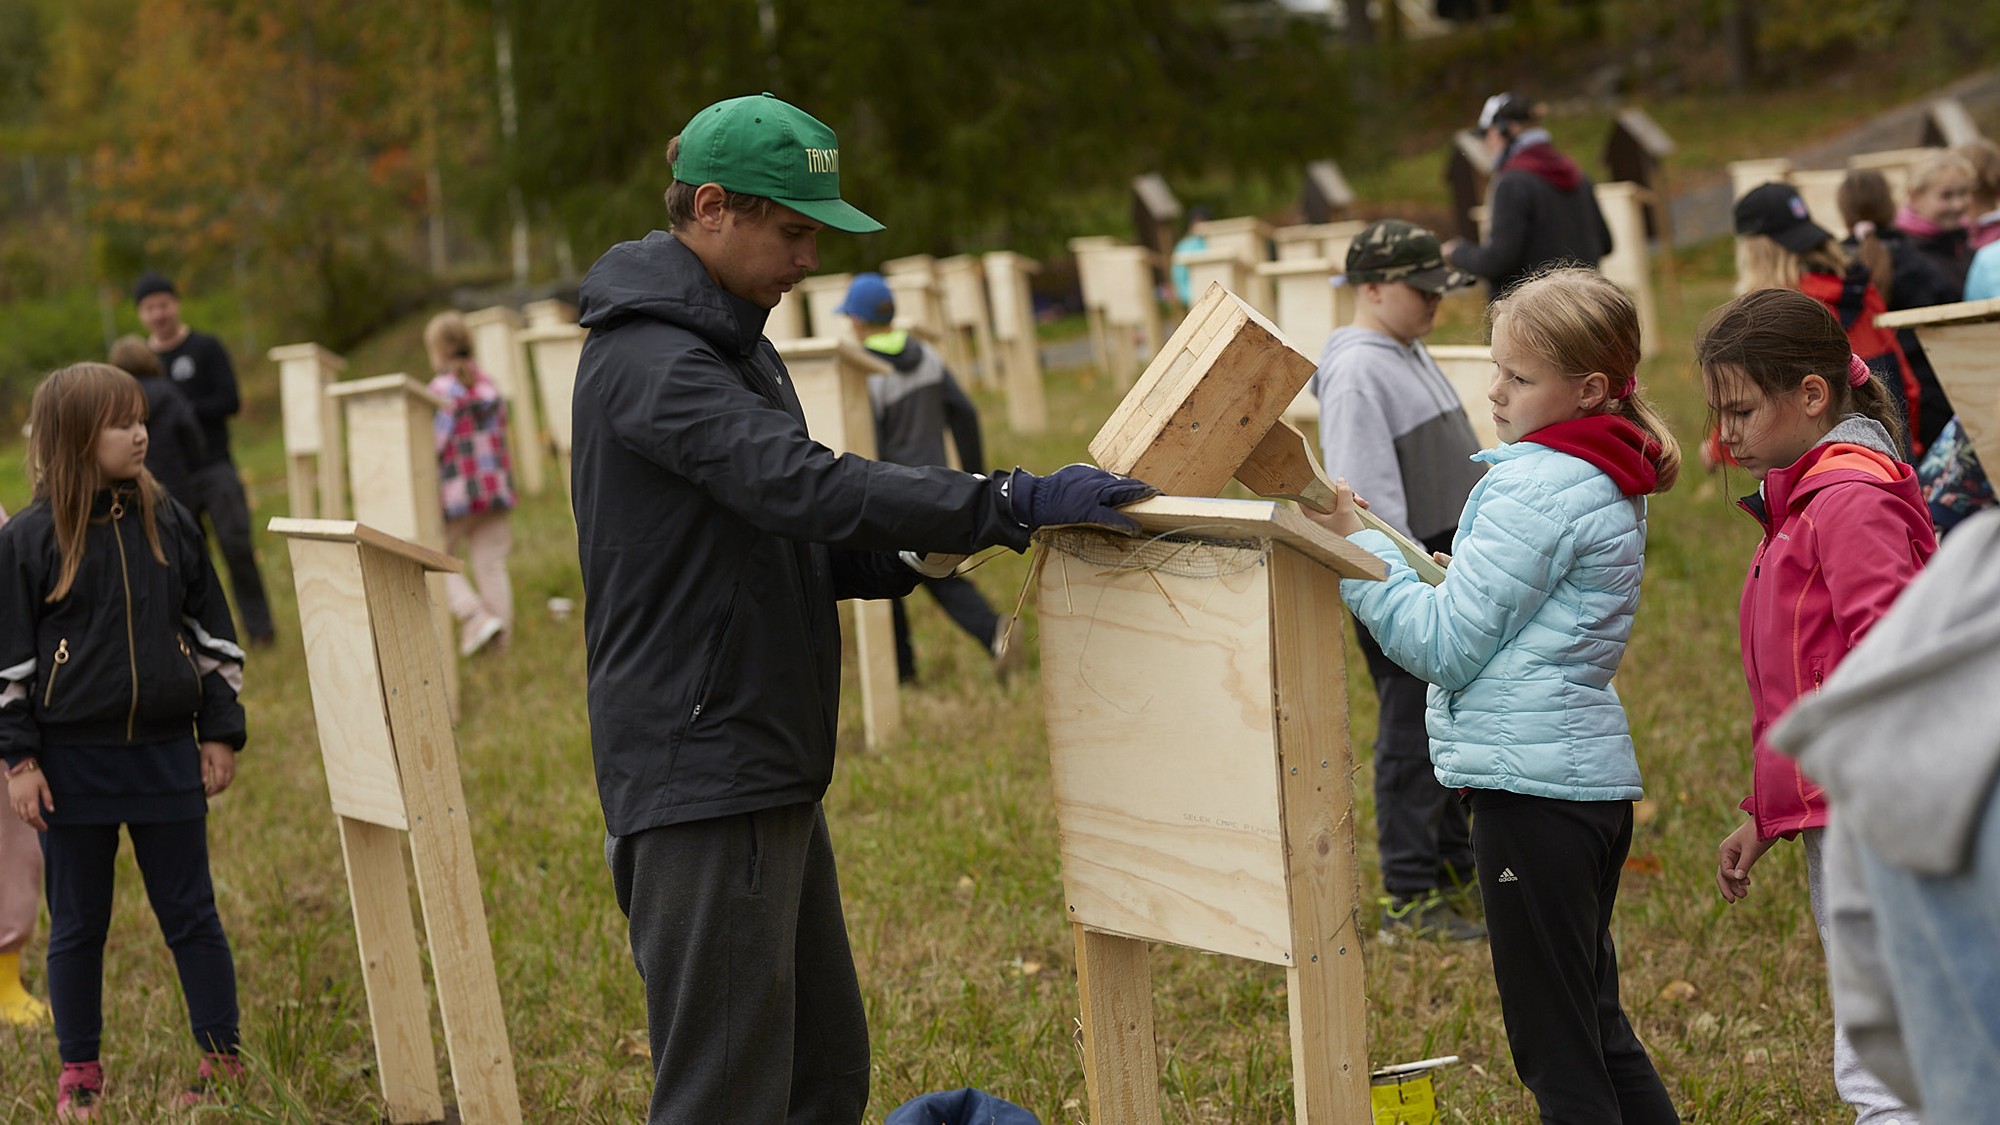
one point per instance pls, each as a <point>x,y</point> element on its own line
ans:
<point>1405,1094</point>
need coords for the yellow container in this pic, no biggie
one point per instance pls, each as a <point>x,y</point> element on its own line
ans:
<point>1405,1095</point>
<point>1403,1099</point>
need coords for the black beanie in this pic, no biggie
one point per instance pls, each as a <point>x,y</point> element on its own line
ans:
<point>150,283</point>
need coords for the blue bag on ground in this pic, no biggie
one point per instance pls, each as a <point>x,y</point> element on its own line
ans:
<point>959,1107</point>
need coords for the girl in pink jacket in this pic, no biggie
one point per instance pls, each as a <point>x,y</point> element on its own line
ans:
<point>1845,529</point>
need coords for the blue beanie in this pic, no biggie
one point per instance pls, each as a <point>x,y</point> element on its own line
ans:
<point>869,300</point>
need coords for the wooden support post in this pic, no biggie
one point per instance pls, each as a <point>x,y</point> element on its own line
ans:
<point>1121,1073</point>
<point>393,476</point>
<point>1092,291</point>
<point>1747,174</point>
<point>788,320</point>
<point>497,348</point>
<point>1020,350</point>
<point>1248,241</point>
<point>1820,189</point>
<point>1963,343</point>
<point>920,307</point>
<point>831,378</point>
<point>1125,278</point>
<point>556,349</point>
<point>545,314</point>
<point>376,674</point>
<point>962,284</point>
<point>1469,368</point>
<point>1630,263</point>
<point>314,454</point>
<point>823,294</point>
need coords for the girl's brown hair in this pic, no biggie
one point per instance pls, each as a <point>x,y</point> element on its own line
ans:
<point>1864,198</point>
<point>131,355</point>
<point>70,409</point>
<point>1777,337</point>
<point>1581,323</point>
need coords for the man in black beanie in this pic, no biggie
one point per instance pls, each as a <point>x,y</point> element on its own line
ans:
<point>199,365</point>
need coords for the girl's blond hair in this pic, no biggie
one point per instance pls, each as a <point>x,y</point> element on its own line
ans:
<point>1582,323</point>
<point>70,409</point>
<point>1763,264</point>
<point>449,342</point>
<point>1983,157</point>
<point>1925,172</point>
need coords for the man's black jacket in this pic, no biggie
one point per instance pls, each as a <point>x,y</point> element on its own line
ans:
<point>715,536</point>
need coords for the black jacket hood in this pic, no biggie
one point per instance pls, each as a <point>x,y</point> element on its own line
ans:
<point>659,278</point>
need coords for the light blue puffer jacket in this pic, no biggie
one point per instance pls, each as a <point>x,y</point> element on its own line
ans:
<point>1520,642</point>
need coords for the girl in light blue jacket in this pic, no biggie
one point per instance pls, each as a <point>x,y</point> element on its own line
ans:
<point>1519,644</point>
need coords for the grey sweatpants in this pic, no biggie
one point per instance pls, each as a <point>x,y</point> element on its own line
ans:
<point>752,1004</point>
<point>1872,1101</point>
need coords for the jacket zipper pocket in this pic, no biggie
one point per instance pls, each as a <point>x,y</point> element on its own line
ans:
<point>61,658</point>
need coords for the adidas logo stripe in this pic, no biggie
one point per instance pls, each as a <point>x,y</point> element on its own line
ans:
<point>1507,876</point>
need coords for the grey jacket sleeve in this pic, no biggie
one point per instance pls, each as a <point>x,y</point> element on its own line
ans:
<point>1355,443</point>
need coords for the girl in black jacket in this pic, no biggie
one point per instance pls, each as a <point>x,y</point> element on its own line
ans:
<point>119,674</point>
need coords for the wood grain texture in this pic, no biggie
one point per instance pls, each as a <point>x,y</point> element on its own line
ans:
<point>1965,352</point>
<point>399,1014</point>
<point>1158,698</point>
<point>349,531</point>
<point>1327,987</point>
<point>1255,519</point>
<point>413,676</point>
<point>356,748</point>
<point>1207,399</point>
<point>1121,1071</point>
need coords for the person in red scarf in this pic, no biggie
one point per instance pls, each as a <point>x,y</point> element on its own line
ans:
<point>1519,644</point>
<point>1845,529</point>
<point>1778,246</point>
<point>1542,211</point>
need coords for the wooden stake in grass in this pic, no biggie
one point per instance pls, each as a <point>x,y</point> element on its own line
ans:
<point>377,676</point>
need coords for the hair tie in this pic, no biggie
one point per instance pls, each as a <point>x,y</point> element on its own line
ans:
<point>1863,229</point>
<point>1627,389</point>
<point>1858,371</point>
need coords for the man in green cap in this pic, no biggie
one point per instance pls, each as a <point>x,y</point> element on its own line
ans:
<point>715,537</point>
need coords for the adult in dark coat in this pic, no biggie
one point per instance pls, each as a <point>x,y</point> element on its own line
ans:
<point>199,365</point>
<point>174,444</point>
<point>1541,210</point>
<point>715,537</point>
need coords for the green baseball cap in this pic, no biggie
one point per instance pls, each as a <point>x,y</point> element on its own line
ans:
<point>765,146</point>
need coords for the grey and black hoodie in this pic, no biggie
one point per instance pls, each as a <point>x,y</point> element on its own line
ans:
<point>1391,423</point>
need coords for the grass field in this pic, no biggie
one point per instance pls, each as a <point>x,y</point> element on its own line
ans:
<point>948,849</point>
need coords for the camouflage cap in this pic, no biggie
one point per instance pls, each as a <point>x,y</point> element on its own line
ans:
<point>1393,250</point>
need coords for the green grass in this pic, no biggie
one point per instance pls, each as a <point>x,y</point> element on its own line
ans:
<point>948,848</point>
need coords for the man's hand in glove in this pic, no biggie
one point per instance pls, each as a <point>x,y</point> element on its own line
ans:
<point>1075,494</point>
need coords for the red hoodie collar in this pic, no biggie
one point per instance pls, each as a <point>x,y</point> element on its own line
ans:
<point>1543,160</point>
<point>1612,444</point>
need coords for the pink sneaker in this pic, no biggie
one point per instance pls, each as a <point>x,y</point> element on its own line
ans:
<point>219,1073</point>
<point>77,1091</point>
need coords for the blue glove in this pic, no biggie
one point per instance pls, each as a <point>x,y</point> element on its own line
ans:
<point>1074,494</point>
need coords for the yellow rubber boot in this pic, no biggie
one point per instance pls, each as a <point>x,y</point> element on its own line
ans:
<point>16,1006</point>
